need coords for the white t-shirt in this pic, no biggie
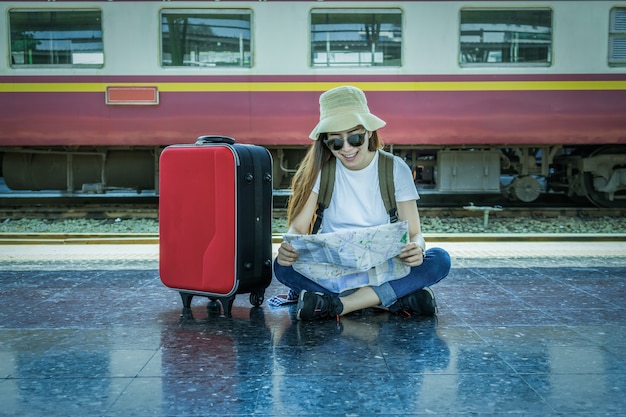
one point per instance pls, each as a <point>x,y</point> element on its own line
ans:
<point>357,193</point>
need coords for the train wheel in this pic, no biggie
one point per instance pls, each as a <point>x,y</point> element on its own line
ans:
<point>604,199</point>
<point>526,188</point>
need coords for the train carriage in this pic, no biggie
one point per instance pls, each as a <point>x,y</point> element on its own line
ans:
<point>516,98</point>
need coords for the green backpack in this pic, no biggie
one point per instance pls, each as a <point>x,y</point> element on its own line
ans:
<point>385,179</point>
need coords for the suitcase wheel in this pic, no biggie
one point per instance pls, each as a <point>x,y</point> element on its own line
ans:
<point>257,297</point>
<point>213,308</point>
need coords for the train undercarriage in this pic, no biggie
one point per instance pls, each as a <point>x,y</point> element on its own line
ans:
<point>519,173</point>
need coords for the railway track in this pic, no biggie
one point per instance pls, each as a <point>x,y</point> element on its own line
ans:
<point>84,220</point>
<point>153,238</point>
<point>107,213</point>
<point>99,211</point>
<point>145,206</point>
<point>150,211</point>
<point>61,224</point>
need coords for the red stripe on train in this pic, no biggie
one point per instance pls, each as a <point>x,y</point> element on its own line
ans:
<point>285,118</point>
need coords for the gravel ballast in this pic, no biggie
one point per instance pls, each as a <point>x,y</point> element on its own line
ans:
<point>470,224</point>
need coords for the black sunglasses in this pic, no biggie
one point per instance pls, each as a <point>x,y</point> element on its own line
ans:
<point>355,140</point>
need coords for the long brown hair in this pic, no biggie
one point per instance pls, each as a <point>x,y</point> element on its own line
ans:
<point>304,179</point>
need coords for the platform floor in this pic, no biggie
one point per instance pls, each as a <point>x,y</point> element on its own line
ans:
<point>523,329</point>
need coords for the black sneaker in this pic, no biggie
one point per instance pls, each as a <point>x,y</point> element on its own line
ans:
<point>420,303</point>
<point>315,305</point>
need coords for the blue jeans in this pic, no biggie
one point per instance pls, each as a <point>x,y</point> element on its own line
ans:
<point>435,267</point>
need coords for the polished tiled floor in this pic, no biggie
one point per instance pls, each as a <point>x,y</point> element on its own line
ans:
<point>526,330</point>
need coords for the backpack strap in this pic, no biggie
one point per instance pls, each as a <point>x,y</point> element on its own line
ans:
<point>327,184</point>
<point>387,187</point>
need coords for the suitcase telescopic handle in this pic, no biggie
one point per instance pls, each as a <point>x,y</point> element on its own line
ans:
<point>202,140</point>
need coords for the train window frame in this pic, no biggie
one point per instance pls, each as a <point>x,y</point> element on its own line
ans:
<point>246,57</point>
<point>617,37</point>
<point>491,58</point>
<point>59,49</point>
<point>376,54</point>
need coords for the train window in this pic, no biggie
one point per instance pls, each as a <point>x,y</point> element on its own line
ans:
<point>617,37</point>
<point>56,38</point>
<point>356,37</point>
<point>506,37</point>
<point>206,39</point>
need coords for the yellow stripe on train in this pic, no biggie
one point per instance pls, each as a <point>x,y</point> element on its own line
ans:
<point>409,86</point>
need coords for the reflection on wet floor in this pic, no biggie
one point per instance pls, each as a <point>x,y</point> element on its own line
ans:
<point>104,338</point>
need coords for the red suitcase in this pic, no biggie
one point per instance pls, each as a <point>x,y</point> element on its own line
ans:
<point>215,213</point>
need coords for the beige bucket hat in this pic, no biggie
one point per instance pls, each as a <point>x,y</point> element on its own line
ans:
<point>342,108</point>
